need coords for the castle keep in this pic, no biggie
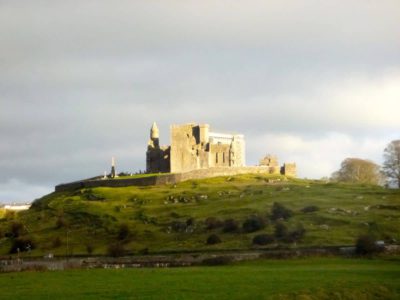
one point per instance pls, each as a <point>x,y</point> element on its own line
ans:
<point>194,147</point>
<point>195,153</point>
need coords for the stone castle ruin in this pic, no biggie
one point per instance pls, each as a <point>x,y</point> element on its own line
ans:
<point>194,147</point>
<point>271,161</point>
<point>195,152</point>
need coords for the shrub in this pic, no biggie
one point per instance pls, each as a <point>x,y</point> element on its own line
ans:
<point>309,209</point>
<point>178,226</point>
<point>217,261</point>
<point>89,249</point>
<point>366,245</point>
<point>295,235</point>
<point>213,239</point>
<point>115,250</point>
<point>144,251</point>
<point>280,231</point>
<point>90,196</point>
<point>61,222</point>
<point>253,223</point>
<point>123,232</point>
<point>212,223</point>
<point>190,222</point>
<point>279,211</point>
<point>174,215</point>
<point>263,239</point>
<point>56,242</point>
<point>22,245</point>
<point>230,225</point>
<point>16,229</point>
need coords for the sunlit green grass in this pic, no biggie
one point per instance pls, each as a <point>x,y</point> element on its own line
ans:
<point>269,279</point>
<point>345,211</point>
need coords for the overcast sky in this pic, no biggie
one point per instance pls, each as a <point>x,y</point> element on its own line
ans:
<point>80,81</point>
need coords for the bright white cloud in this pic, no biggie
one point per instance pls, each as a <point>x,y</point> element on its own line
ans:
<point>317,157</point>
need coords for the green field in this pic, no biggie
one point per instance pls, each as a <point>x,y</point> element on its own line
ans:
<point>315,278</point>
<point>172,217</point>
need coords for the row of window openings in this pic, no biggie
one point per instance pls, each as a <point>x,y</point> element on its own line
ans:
<point>223,157</point>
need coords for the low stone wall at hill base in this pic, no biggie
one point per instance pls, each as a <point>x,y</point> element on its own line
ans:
<point>161,179</point>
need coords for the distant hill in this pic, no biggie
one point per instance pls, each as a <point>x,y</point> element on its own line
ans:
<point>182,217</point>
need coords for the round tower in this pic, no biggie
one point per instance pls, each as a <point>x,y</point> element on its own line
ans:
<point>154,135</point>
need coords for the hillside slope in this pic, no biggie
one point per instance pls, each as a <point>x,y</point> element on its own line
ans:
<point>174,217</point>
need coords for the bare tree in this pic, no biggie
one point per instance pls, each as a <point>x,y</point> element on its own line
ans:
<point>391,164</point>
<point>356,170</point>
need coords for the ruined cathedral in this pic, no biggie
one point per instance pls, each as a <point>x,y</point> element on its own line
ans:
<point>194,146</point>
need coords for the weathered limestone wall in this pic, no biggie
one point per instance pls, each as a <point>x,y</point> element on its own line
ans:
<point>289,169</point>
<point>272,162</point>
<point>184,141</point>
<point>219,155</point>
<point>194,147</point>
<point>163,178</point>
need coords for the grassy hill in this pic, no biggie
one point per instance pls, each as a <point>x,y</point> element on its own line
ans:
<point>174,217</point>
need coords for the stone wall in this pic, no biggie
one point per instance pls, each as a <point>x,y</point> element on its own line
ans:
<point>289,169</point>
<point>162,178</point>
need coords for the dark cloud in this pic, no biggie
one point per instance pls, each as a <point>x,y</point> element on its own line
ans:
<point>81,81</point>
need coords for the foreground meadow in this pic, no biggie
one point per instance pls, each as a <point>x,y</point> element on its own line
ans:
<point>312,278</point>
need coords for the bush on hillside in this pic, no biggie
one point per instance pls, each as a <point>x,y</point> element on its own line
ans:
<point>309,209</point>
<point>61,222</point>
<point>278,211</point>
<point>212,223</point>
<point>366,245</point>
<point>123,231</point>
<point>263,239</point>
<point>178,226</point>
<point>89,249</point>
<point>56,242</point>
<point>253,224</point>
<point>213,239</point>
<point>16,229</point>
<point>230,225</point>
<point>90,196</point>
<point>280,230</point>
<point>144,251</point>
<point>295,235</point>
<point>116,250</point>
<point>22,245</point>
<point>190,222</point>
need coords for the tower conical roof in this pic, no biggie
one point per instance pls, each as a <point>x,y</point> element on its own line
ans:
<point>154,132</point>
